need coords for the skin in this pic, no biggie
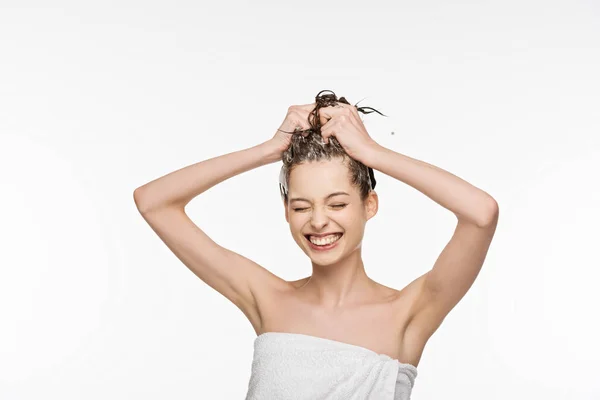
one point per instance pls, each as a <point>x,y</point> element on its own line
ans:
<point>338,301</point>
<point>338,277</point>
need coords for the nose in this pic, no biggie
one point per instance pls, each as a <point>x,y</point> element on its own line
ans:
<point>318,219</point>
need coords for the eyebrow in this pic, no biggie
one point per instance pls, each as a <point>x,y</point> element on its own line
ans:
<point>327,197</point>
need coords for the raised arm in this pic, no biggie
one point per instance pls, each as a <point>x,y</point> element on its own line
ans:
<point>178,188</point>
<point>162,204</point>
<point>458,265</point>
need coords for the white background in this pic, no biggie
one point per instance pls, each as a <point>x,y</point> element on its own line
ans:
<point>98,98</point>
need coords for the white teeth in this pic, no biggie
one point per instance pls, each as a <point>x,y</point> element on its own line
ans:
<point>322,241</point>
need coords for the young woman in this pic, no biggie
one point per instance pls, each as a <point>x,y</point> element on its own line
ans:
<point>336,334</point>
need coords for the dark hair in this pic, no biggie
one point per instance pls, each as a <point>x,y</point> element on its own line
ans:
<point>307,145</point>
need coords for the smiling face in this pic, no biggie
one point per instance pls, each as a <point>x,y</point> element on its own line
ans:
<point>323,200</point>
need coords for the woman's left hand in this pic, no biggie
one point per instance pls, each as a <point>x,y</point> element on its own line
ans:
<point>343,122</point>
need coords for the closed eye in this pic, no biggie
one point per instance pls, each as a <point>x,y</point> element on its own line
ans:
<point>336,206</point>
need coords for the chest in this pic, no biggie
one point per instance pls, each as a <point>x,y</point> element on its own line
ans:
<point>376,326</point>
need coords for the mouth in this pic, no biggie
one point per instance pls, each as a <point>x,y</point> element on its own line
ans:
<point>324,244</point>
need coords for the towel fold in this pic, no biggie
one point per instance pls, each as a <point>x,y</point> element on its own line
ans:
<point>293,366</point>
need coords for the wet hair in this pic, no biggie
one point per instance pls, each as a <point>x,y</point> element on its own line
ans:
<point>307,145</point>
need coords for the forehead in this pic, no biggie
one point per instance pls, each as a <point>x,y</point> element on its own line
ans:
<point>319,178</point>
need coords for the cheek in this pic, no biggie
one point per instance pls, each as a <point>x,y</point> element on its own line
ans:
<point>297,220</point>
<point>297,224</point>
<point>352,219</point>
<point>354,224</point>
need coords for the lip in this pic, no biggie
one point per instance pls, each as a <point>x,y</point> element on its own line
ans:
<point>322,248</point>
<point>321,234</point>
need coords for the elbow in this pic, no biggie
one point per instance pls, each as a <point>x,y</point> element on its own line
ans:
<point>489,217</point>
<point>138,199</point>
<point>146,204</point>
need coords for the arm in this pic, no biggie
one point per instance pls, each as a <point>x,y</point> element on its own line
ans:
<point>178,188</point>
<point>459,263</point>
<point>469,204</point>
<point>162,204</point>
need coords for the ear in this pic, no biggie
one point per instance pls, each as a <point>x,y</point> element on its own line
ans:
<point>371,204</point>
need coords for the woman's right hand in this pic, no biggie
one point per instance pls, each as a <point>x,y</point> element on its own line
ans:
<point>296,119</point>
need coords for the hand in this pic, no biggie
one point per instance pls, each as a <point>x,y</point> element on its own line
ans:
<point>343,122</point>
<point>296,119</point>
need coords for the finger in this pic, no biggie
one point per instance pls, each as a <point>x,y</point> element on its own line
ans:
<point>304,108</point>
<point>308,107</point>
<point>344,108</point>
<point>298,119</point>
<point>327,131</point>
<point>329,112</point>
<point>300,114</point>
<point>302,131</point>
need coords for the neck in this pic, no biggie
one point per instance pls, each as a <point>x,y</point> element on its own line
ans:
<point>339,285</point>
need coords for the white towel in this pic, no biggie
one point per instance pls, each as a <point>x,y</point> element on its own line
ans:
<point>293,366</point>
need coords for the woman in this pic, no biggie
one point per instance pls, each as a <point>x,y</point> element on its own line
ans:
<point>335,334</point>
